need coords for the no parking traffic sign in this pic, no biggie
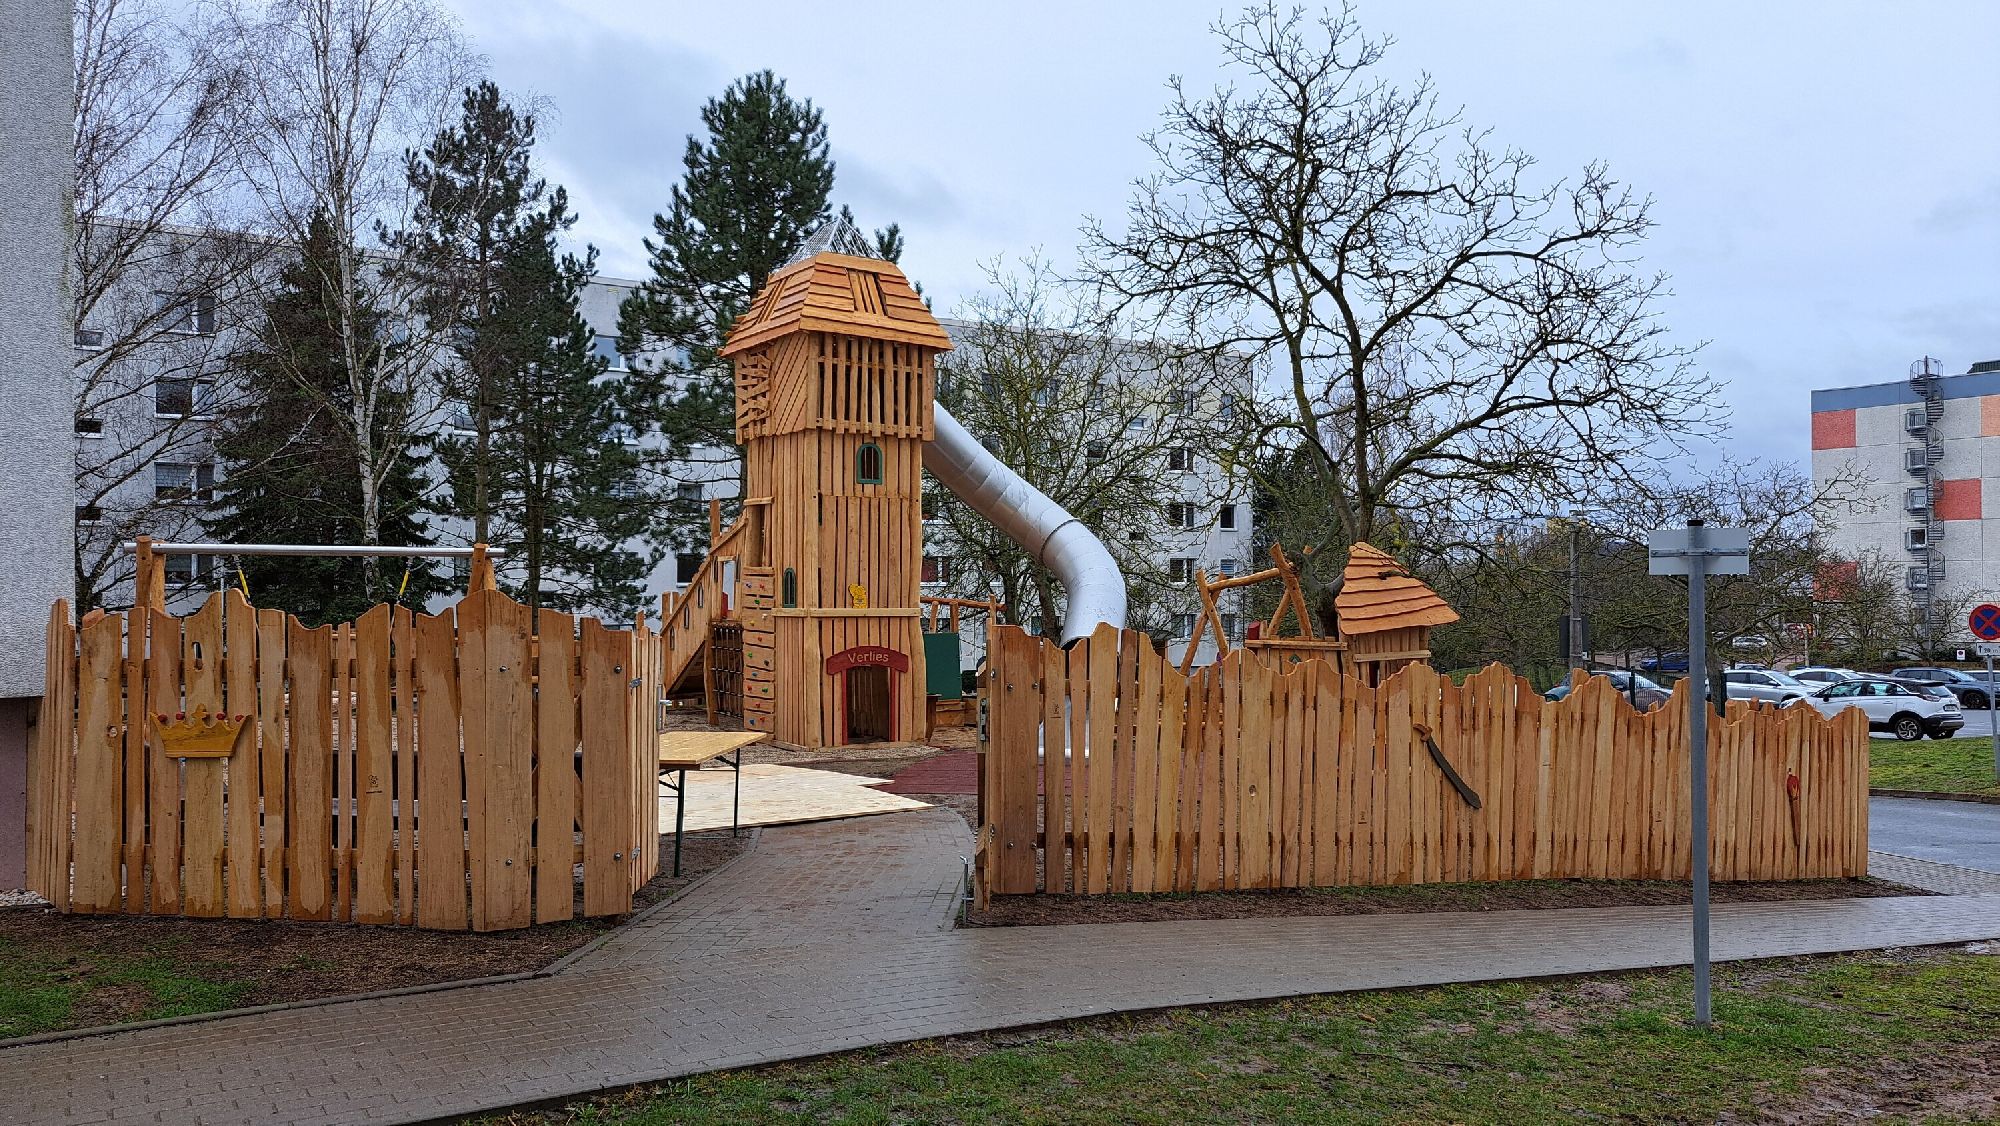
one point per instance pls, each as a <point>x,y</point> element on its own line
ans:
<point>1984,621</point>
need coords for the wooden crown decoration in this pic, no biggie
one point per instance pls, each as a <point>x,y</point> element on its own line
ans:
<point>204,736</point>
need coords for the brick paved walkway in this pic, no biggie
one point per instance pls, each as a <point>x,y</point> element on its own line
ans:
<point>837,936</point>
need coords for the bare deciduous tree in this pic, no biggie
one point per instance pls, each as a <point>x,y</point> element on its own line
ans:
<point>152,272</point>
<point>1445,329</point>
<point>1094,420</point>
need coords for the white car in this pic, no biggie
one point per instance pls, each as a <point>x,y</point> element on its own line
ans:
<point>1819,676</point>
<point>1903,712</point>
<point>1768,685</point>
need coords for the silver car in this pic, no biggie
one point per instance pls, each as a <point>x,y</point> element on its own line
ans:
<point>1768,685</point>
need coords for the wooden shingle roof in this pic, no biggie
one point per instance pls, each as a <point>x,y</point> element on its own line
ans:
<point>1376,593</point>
<point>831,292</point>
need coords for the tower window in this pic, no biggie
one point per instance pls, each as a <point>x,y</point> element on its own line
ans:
<point>788,589</point>
<point>868,464</point>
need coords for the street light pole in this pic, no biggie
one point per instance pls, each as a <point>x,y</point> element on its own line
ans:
<point>1576,660</point>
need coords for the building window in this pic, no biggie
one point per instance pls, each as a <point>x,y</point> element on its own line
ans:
<point>788,589</point>
<point>1180,570</point>
<point>930,503</point>
<point>937,569</point>
<point>185,569</point>
<point>90,427</point>
<point>868,464</point>
<point>1180,459</point>
<point>1139,424</point>
<point>685,565</point>
<point>183,398</point>
<point>1184,401</point>
<point>606,348</point>
<point>622,432</point>
<point>1184,625</point>
<point>183,313</point>
<point>88,514</point>
<point>1228,567</point>
<point>1917,499</point>
<point>173,480</point>
<point>461,569</point>
<point>1096,450</point>
<point>689,491</point>
<point>1180,514</point>
<point>1226,518</point>
<point>1916,539</point>
<point>1230,628</point>
<point>89,339</point>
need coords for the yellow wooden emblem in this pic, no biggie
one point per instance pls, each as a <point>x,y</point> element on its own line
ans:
<point>857,596</point>
<point>204,736</point>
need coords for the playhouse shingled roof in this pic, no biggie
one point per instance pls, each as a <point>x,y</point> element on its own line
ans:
<point>834,292</point>
<point>1377,593</point>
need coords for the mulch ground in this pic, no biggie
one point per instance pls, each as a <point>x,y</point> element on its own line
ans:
<point>1045,910</point>
<point>273,961</point>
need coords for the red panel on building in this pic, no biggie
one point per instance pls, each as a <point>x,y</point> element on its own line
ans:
<point>1957,500</point>
<point>1833,430</point>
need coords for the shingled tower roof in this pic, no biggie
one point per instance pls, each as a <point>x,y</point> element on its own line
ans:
<point>1377,594</point>
<point>834,292</point>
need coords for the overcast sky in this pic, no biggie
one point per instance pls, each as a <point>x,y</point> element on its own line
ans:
<point>1827,176</point>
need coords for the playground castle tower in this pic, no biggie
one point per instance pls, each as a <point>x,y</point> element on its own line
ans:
<point>834,382</point>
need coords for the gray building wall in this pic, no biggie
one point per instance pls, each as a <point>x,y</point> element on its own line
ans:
<point>37,487</point>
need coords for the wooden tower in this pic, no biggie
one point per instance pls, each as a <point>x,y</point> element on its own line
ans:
<point>835,376</point>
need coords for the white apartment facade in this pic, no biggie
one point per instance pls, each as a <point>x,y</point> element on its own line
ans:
<point>148,436</point>
<point>1925,451</point>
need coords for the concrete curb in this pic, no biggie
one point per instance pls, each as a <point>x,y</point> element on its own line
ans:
<point>1934,795</point>
<point>553,968</point>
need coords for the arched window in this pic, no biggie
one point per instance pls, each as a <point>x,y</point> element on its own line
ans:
<point>868,464</point>
<point>789,590</point>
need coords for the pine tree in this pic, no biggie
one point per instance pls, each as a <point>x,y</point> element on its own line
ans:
<point>753,190</point>
<point>541,468</point>
<point>289,473</point>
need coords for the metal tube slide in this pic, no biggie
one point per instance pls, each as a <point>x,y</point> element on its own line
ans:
<point>1092,583</point>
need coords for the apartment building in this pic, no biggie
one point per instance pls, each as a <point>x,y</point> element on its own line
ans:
<point>146,465</point>
<point>1923,453</point>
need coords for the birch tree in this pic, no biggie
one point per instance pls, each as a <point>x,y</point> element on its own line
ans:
<point>328,94</point>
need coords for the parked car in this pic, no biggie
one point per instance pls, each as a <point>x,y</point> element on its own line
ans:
<point>1642,692</point>
<point>1896,708</point>
<point>1750,641</point>
<point>1666,662</point>
<point>1972,691</point>
<point>1768,685</point>
<point>1819,676</point>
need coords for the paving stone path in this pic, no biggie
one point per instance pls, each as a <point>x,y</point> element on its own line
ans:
<point>836,936</point>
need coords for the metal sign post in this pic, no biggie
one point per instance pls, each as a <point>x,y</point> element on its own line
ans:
<point>1984,622</point>
<point>1699,551</point>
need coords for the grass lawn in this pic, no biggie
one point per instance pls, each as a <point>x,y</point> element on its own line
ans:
<point>1956,766</point>
<point>42,990</point>
<point>1901,1036</point>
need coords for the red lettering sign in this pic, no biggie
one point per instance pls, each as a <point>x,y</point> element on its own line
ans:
<point>869,656</point>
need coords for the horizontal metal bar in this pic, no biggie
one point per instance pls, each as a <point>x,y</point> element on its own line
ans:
<point>361,550</point>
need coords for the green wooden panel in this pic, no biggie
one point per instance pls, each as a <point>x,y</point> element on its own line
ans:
<point>941,677</point>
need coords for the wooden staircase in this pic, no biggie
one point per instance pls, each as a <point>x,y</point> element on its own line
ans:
<point>689,616</point>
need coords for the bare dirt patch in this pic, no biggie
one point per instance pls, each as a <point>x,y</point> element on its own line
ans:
<point>81,971</point>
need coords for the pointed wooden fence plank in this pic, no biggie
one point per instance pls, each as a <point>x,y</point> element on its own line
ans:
<point>440,804</point>
<point>163,774</point>
<point>555,767</point>
<point>243,869</point>
<point>100,776</point>
<point>309,655</point>
<point>374,771</point>
<point>607,795</point>
<point>274,758</point>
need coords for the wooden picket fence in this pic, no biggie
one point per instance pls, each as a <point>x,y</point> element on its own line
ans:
<point>1266,774</point>
<point>445,771</point>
